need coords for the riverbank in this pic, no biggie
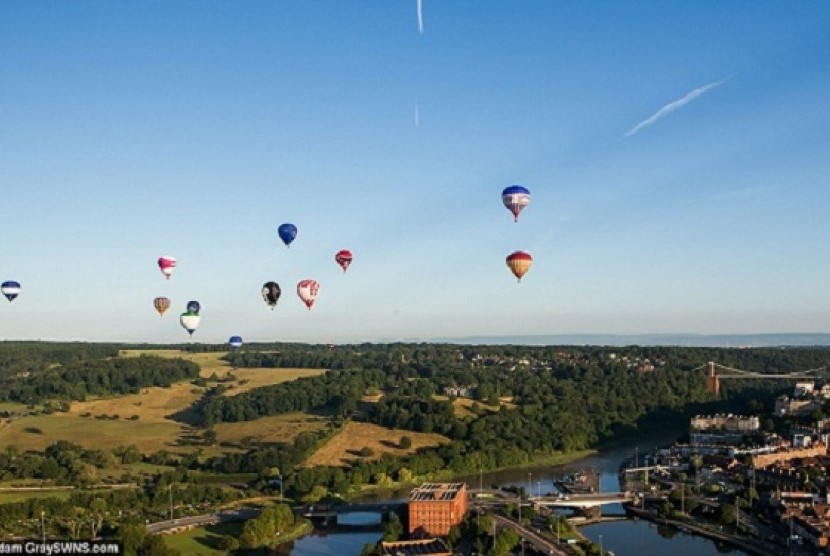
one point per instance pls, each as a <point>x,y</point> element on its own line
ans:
<point>401,489</point>
<point>747,544</point>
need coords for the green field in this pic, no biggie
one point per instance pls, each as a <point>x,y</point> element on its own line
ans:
<point>203,540</point>
<point>13,407</point>
<point>9,497</point>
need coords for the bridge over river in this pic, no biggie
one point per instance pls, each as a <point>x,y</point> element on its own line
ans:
<point>583,501</point>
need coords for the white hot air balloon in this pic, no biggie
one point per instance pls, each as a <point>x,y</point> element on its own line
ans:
<point>308,290</point>
<point>190,322</point>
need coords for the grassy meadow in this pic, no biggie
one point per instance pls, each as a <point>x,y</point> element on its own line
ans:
<point>160,418</point>
<point>343,448</point>
<point>203,541</point>
<point>273,428</point>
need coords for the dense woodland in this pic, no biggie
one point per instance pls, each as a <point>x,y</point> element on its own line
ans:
<point>33,373</point>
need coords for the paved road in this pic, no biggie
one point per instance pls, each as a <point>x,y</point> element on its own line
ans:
<point>538,541</point>
<point>223,516</point>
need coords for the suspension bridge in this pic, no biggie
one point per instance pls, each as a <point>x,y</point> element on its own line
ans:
<point>718,372</point>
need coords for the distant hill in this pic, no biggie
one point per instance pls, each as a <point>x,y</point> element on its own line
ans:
<point>685,340</point>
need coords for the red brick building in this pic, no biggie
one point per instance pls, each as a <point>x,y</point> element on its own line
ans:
<point>434,508</point>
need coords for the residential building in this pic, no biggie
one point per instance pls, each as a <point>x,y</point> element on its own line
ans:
<point>726,422</point>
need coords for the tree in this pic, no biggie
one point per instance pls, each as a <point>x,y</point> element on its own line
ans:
<point>228,543</point>
<point>405,443</point>
<point>98,508</point>
<point>726,514</point>
<point>506,539</point>
<point>318,492</point>
<point>392,529</point>
<point>209,436</point>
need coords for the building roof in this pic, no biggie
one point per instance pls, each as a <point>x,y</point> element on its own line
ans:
<point>436,492</point>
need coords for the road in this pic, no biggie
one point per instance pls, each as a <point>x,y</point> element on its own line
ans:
<point>223,516</point>
<point>539,542</point>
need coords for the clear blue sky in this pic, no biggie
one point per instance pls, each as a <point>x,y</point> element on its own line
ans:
<point>678,156</point>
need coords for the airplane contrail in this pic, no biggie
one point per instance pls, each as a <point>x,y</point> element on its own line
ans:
<point>420,9</point>
<point>673,105</point>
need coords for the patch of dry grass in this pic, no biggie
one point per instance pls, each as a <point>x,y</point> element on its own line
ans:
<point>154,405</point>
<point>38,432</point>
<point>212,363</point>
<point>274,428</point>
<point>156,429</point>
<point>343,448</point>
<point>248,379</point>
<point>209,363</point>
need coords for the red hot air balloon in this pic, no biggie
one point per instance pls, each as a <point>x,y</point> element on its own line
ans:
<point>343,258</point>
<point>166,265</point>
<point>519,263</point>
<point>308,290</point>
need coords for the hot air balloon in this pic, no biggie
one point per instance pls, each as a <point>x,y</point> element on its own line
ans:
<point>11,289</point>
<point>343,258</point>
<point>161,304</point>
<point>308,290</point>
<point>287,233</point>
<point>193,307</point>
<point>235,342</point>
<point>190,322</point>
<point>271,293</point>
<point>515,198</point>
<point>167,264</point>
<point>519,263</point>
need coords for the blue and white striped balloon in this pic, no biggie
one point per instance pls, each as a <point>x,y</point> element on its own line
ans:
<point>11,289</point>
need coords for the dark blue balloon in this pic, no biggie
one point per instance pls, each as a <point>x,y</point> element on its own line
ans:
<point>193,307</point>
<point>514,189</point>
<point>235,342</point>
<point>287,233</point>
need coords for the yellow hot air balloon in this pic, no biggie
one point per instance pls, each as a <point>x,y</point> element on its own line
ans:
<point>519,263</point>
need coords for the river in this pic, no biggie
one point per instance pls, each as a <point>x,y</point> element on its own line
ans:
<point>623,538</point>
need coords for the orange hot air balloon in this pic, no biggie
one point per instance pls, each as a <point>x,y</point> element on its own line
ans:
<point>343,258</point>
<point>161,304</point>
<point>519,263</point>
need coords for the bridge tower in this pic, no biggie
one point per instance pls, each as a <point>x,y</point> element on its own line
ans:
<point>712,380</point>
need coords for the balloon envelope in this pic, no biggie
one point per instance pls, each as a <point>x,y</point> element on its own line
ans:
<point>287,233</point>
<point>11,289</point>
<point>515,198</point>
<point>161,304</point>
<point>190,322</point>
<point>166,265</point>
<point>235,342</point>
<point>343,258</point>
<point>519,263</point>
<point>271,293</point>
<point>193,307</point>
<point>308,290</point>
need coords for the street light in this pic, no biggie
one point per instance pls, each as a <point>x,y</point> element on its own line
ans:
<point>529,486</point>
